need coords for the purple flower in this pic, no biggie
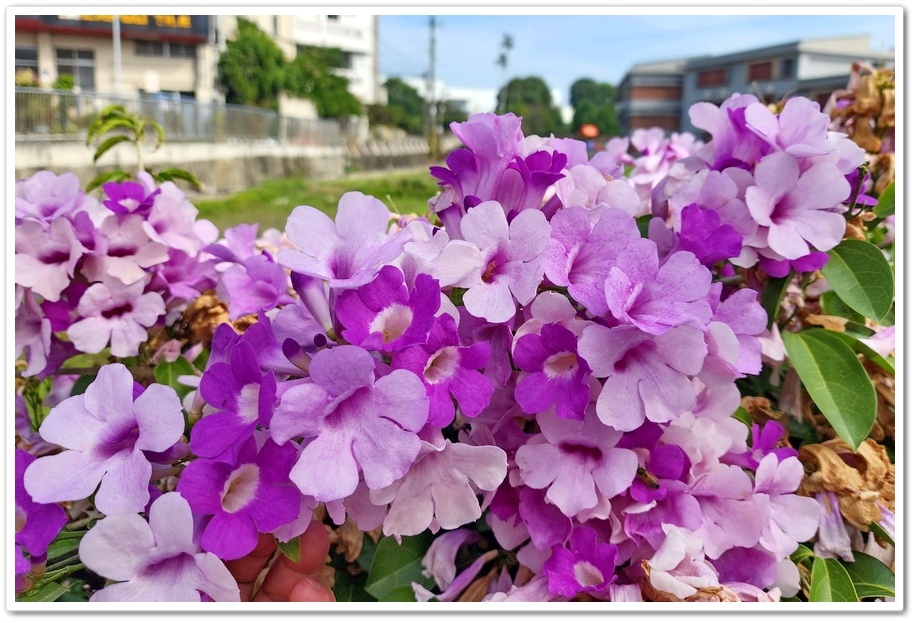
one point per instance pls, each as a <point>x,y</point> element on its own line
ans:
<point>585,565</point>
<point>703,234</point>
<point>576,461</point>
<point>579,255</point>
<point>557,375</point>
<point>587,187</point>
<point>32,333</point>
<point>173,220</point>
<point>437,491</point>
<point>793,519</point>
<point>241,498</point>
<point>353,423</point>
<point>244,397</point>
<point>107,431</point>
<point>115,313</point>
<point>385,315</point>
<point>46,258</point>
<point>647,377</point>
<point>656,298</point>
<point>732,517</point>
<point>799,129</point>
<point>46,196</point>
<point>254,285</point>
<point>795,209</point>
<point>129,198</point>
<point>36,524</point>
<point>346,252</point>
<point>448,371</point>
<point>158,561</point>
<point>512,259</point>
<point>733,143</point>
<point>124,250</point>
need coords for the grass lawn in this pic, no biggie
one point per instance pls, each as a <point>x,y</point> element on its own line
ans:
<point>270,203</point>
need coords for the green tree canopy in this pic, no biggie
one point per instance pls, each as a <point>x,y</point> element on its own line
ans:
<point>406,108</point>
<point>252,68</point>
<point>311,75</point>
<point>530,99</point>
<point>594,103</point>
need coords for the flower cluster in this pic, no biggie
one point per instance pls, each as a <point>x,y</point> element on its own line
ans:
<point>552,356</point>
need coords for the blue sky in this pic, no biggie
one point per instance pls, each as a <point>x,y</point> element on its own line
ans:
<point>602,46</point>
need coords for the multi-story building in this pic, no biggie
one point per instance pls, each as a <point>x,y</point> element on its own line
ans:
<point>661,94</point>
<point>143,54</point>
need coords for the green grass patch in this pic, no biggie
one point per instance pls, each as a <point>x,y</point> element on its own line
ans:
<point>270,203</point>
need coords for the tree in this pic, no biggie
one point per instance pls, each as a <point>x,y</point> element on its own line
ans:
<point>251,69</point>
<point>311,75</point>
<point>594,103</point>
<point>503,59</point>
<point>405,109</point>
<point>531,100</point>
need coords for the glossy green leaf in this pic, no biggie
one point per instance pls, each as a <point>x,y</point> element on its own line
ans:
<point>830,582</point>
<point>836,381</point>
<point>772,296</point>
<point>833,305</point>
<point>877,529</point>
<point>167,373</point>
<point>863,349</point>
<point>870,576</point>
<point>861,276</point>
<point>885,205</point>
<point>104,178</point>
<point>170,175</point>
<point>349,588</point>
<point>395,566</point>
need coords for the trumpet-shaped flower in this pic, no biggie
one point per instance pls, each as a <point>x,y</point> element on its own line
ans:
<point>585,565</point>
<point>46,258</point>
<point>36,524</point>
<point>556,374</point>
<point>353,424</point>
<point>105,432</point>
<point>155,561</point>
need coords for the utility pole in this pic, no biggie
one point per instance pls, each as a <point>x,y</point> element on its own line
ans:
<point>116,41</point>
<point>431,93</point>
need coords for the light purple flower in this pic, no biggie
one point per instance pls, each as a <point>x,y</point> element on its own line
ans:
<point>33,333</point>
<point>732,517</point>
<point>733,143</point>
<point>385,315</point>
<point>46,196</point>
<point>254,285</point>
<point>437,491</point>
<point>173,220</point>
<point>353,423</point>
<point>241,498</point>
<point>647,377</point>
<point>587,187</point>
<point>244,397</point>
<point>795,209</point>
<point>348,251</point>
<point>679,567</point>
<point>449,371</point>
<point>124,250</point>
<point>117,314</point>
<point>793,519</point>
<point>656,297</point>
<point>799,129</point>
<point>556,374</point>
<point>576,462</point>
<point>155,561</point>
<point>585,565</point>
<point>105,433</point>
<point>512,259</point>
<point>833,532</point>
<point>580,255</point>
<point>46,258</point>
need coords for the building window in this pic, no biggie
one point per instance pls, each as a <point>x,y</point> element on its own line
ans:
<point>787,68</point>
<point>78,63</point>
<point>27,58</point>
<point>149,48</point>
<point>182,50</point>
<point>760,71</point>
<point>712,77</point>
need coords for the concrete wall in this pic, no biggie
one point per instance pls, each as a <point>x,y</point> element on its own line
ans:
<point>224,168</point>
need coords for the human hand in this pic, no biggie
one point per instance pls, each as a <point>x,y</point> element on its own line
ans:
<point>285,580</point>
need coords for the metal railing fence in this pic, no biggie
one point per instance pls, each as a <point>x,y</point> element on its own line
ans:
<point>43,114</point>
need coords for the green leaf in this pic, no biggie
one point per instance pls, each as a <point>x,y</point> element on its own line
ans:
<point>860,347</point>
<point>290,548</point>
<point>107,144</point>
<point>642,223</point>
<point>167,373</point>
<point>79,387</point>
<point>170,175</point>
<point>870,576</point>
<point>830,582</point>
<point>881,532</point>
<point>45,593</point>
<point>772,296</point>
<point>349,588</point>
<point>836,380</point>
<point>833,305</point>
<point>61,548</point>
<point>104,178</point>
<point>885,205</point>
<point>861,277</point>
<point>395,566</point>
